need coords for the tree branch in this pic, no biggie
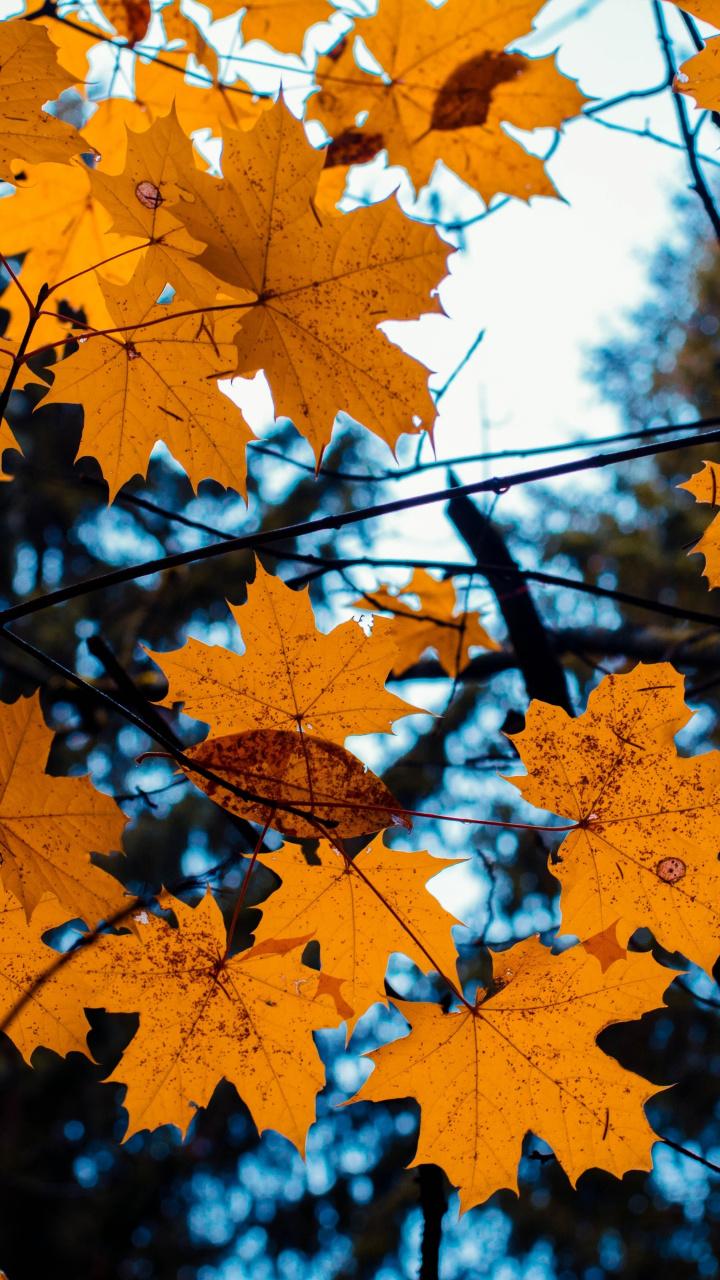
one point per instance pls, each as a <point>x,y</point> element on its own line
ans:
<point>266,537</point>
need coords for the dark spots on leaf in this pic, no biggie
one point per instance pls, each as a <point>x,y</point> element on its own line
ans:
<point>132,351</point>
<point>670,870</point>
<point>466,96</point>
<point>352,146</point>
<point>149,196</point>
<point>337,52</point>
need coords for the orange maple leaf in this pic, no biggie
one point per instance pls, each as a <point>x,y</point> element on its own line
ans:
<point>206,1016</point>
<point>153,377</point>
<point>526,1059</point>
<point>291,676</point>
<point>322,283</point>
<point>361,911</point>
<point>644,851</point>
<point>705,487</point>
<point>448,88</point>
<point>52,1015</point>
<point>30,75</point>
<point>49,826</point>
<point>434,623</point>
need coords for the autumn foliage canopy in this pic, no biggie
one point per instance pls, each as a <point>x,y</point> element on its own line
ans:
<point>151,277</point>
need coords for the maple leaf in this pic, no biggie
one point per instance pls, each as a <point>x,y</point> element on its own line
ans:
<point>705,10</point>
<point>433,623</point>
<point>644,852</point>
<point>322,284</point>
<point>52,1015</point>
<point>71,44</point>
<point>291,675</point>
<point>281,23</point>
<point>155,378</point>
<point>699,77</point>
<point>206,1016</point>
<point>49,826</point>
<point>357,910</point>
<point>53,220</point>
<point>7,439</point>
<point>299,784</point>
<point>526,1059</point>
<point>448,89</point>
<point>705,487</point>
<point>30,75</point>
<point>158,165</point>
<point>199,102</point>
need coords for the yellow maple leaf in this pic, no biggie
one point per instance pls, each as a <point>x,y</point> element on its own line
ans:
<point>62,231</point>
<point>205,1017</point>
<point>71,44</point>
<point>49,826</point>
<point>52,1016</point>
<point>705,487</point>
<point>323,283</point>
<point>699,77</point>
<point>526,1059</point>
<point>357,910</point>
<point>30,75</point>
<point>155,378</point>
<point>281,23</point>
<point>291,676</point>
<point>705,10</point>
<point>644,851</point>
<point>449,88</point>
<point>158,165</point>
<point>199,103</point>
<point>434,623</point>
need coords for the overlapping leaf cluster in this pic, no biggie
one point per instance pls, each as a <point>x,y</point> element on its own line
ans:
<point>178,279</point>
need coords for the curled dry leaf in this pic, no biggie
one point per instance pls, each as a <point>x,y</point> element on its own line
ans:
<point>300,785</point>
<point>449,87</point>
<point>291,675</point>
<point>526,1059</point>
<point>361,911</point>
<point>645,850</point>
<point>49,826</point>
<point>206,1016</point>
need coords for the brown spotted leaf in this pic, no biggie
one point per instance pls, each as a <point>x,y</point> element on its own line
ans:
<point>300,785</point>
